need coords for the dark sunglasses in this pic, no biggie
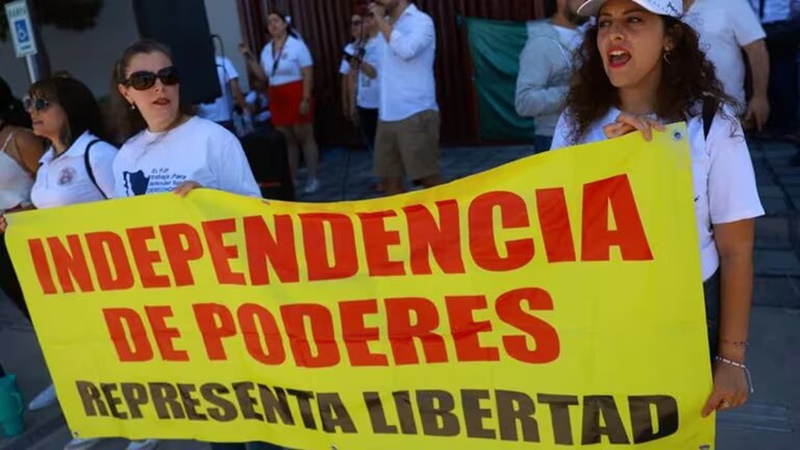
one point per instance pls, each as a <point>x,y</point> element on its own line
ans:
<point>36,103</point>
<point>142,81</point>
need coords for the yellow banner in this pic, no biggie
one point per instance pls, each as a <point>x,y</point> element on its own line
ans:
<point>552,302</point>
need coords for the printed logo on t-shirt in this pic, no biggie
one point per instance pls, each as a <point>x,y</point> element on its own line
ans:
<point>160,180</point>
<point>66,176</point>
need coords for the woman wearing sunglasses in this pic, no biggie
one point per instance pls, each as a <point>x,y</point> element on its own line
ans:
<point>166,149</point>
<point>287,67</point>
<point>75,169</point>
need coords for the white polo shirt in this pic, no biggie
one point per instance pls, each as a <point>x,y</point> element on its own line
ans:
<point>221,110</point>
<point>198,150</point>
<point>64,179</point>
<point>294,57</point>
<point>408,85</point>
<point>723,177</point>
<point>369,89</point>
<point>725,26</point>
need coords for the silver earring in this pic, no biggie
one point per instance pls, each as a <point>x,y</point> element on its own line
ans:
<point>133,106</point>
<point>666,57</point>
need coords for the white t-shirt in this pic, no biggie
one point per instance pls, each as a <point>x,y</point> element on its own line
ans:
<point>294,57</point>
<point>221,110</point>
<point>725,26</point>
<point>64,180</point>
<point>722,171</point>
<point>369,89</point>
<point>198,150</point>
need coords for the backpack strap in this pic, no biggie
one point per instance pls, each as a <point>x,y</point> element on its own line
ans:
<point>709,112</point>
<point>89,168</point>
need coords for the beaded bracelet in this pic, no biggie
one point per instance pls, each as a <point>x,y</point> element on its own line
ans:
<point>740,366</point>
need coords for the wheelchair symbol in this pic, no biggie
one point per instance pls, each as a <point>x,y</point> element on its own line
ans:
<point>23,36</point>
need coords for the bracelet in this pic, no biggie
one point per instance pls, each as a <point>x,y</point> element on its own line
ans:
<point>739,366</point>
<point>734,343</point>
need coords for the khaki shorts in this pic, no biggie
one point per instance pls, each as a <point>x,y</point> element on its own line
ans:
<point>408,147</point>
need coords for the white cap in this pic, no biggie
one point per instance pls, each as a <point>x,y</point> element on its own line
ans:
<point>673,8</point>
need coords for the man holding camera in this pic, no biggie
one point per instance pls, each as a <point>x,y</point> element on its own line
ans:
<point>407,142</point>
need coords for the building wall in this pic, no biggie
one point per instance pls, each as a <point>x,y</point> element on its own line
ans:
<point>90,55</point>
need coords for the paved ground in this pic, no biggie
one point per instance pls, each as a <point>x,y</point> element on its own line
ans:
<point>771,421</point>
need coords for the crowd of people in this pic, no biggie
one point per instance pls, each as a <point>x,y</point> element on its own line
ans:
<point>596,70</point>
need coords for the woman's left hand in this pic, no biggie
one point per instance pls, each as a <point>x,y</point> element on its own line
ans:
<point>184,188</point>
<point>304,107</point>
<point>628,123</point>
<point>731,389</point>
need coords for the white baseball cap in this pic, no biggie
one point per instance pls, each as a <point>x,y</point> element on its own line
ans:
<point>673,8</point>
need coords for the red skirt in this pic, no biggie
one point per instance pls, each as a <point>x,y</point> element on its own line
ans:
<point>284,105</point>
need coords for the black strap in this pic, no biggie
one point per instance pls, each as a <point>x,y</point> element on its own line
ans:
<point>709,112</point>
<point>89,168</point>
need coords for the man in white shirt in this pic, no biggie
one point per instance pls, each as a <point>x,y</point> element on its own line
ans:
<point>407,141</point>
<point>726,27</point>
<point>221,109</point>
<point>545,68</point>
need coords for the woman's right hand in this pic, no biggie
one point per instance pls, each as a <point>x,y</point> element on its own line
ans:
<point>627,123</point>
<point>3,223</point>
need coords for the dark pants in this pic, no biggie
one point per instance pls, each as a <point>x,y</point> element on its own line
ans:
<point>542,143</point>
<point>368,126</point>
<point>250,446</point>
<point>711,290</point>
<point>8,279</point>
<point>784,94</point>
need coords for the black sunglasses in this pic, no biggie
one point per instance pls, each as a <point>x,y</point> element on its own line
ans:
<point>39,104</point>
<point>142,81</point>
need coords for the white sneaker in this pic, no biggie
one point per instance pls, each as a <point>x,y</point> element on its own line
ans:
<point>312,186</point>
<point>149,444</point>
<point>81,444</point>
<point>46,398</point>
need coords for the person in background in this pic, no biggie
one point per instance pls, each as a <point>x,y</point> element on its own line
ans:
<point>75,169</point>
<point>407,140</point>
<point>642,67</point>
<point>545,67</point>
<point>353,47</point>
<point>287,67</point>
<point>258,103</point>
<point>726,28</point>
<point>166,149</point>
<point>222,108</point>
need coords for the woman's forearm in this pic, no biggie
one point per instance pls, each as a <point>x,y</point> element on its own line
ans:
<point>736,301</point>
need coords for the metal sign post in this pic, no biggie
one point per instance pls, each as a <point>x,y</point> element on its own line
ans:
<point>21,29</point>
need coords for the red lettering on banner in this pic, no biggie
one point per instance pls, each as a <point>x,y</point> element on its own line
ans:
<point>482,243</point>
<point>377,240</point>
<point>443,240</point>
<point>221,254</point>
<point>107,249</point>
<point>262,337</point>
<point>71,264</point>
<point>465,329</point>
<point>144,258</point>
<point>182,245</point>
<point>342,238</point>
<point>403,331</point>
<point>42,266</point>
<point>164,334</point>
<point>321,323</point>
<point>600,196</point>
<point>215,323</point>
<point>510,310</point>
<point>357,336</point>
<point>128,334</point>
<point>264,249</point>
<point>551,205</point>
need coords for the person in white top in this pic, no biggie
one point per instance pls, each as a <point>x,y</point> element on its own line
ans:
<point>641,66</point>
<point>726,28</point>
<point>221,110</point>
<point>168,150</point>
<point>407,141</point>
<point>286,65</point>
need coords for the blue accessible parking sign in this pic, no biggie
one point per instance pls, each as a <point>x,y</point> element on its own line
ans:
<point>20,23</point>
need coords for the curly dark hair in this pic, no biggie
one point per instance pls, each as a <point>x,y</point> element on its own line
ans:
<point>687,79</point>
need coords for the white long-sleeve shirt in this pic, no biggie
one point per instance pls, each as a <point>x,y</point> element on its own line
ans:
<point>408,85</point>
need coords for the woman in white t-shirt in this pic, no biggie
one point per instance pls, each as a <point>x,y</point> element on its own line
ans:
<point>76,168</point>
<point>287,67</point>
<point>640,67</point>
<point>166,149</point>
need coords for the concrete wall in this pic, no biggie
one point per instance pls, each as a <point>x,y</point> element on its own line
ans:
<point>90,55</point>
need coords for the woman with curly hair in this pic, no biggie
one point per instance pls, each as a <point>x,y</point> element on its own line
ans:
<point>641,67</point>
